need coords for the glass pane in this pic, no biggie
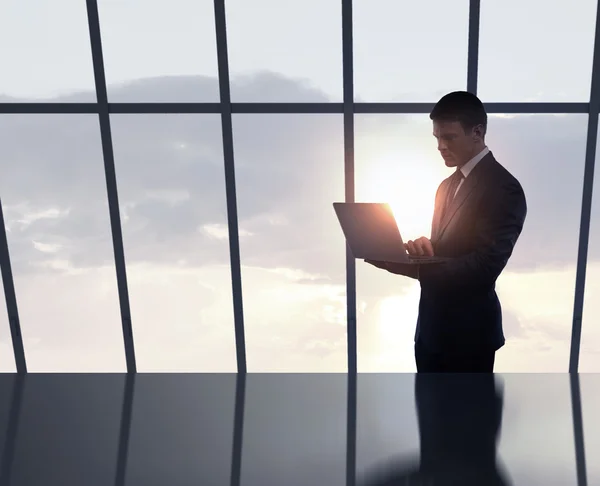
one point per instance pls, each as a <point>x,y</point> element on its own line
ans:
<point>396,162</point>
<point>285,51</point>
<point>295,429</point>
<point>157,51</point>
<point>537,287</point>
<point>7,355</point>
<point>590,398</point>
<point>393,152</point>
<point>181,430</point>
<point>45,52</point>
<point>589,358</point>
<point>54,194</point>
<point>68,431</point>
<point>173,208</point>
<point>289,171</point>
<point>546,57</point>
<point>409,51</point>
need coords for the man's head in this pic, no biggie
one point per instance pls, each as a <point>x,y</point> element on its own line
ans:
<point>459,125</point>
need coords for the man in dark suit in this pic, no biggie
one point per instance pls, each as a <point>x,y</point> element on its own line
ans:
<point>479,214</point>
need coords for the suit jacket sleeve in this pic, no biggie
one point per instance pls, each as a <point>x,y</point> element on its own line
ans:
<point>411,271</point>
<point>497,232</point>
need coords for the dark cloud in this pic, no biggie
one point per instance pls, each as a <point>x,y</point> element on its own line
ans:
<point>289,169</point>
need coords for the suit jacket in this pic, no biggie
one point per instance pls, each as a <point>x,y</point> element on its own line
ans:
<point>459,310</point>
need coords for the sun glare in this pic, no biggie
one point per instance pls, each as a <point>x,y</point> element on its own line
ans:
<point>407,182</point>
<point>398,316</point>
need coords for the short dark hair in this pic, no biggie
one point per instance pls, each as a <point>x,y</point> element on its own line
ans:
<point>463,107</point>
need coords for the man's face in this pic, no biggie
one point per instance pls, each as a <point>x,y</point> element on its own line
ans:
<point>456,146</point>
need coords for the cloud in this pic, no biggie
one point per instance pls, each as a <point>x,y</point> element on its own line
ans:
<point>170,172</point>
<point>289,169</point>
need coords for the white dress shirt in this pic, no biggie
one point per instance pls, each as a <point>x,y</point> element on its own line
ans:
<point>470,165</point>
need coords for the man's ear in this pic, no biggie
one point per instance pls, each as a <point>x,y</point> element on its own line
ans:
<point>478,132</point>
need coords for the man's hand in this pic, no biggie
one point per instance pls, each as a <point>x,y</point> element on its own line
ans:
<point>378,264</point>
<point>420,247</point>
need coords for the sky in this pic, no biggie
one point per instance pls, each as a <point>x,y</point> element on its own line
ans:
<point>289,169</point>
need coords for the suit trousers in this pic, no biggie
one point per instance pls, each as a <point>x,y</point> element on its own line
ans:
<point>453,362</point>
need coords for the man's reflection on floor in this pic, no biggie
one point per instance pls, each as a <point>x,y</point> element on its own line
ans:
<point>459,417</point>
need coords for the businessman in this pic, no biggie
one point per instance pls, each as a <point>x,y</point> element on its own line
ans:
<point>478,217</point>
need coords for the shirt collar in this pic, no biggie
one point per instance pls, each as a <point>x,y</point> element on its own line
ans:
<point>470,165</point>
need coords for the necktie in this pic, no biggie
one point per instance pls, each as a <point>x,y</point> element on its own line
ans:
<point>455,180</point>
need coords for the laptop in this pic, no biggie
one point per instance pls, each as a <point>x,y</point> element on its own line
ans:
<point>372,233</point>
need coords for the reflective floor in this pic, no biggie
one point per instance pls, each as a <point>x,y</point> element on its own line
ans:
<point>299,429</point>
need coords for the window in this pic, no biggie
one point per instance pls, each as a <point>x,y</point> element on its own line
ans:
<point>392,152</point>
<point>409,51</point>
<point>172,197</point>
<point>275,46</point>
<point>547,154</point>
<point>45,52</point>
<point>55,207</point>
<point>289,170</point>
<point>589,359</point>
<point>396,162</point>
<point>7,355</point>
<point>159,52</point>
<point>536,50</point>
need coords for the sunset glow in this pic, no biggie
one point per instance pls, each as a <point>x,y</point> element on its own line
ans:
<point>408,182</point>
